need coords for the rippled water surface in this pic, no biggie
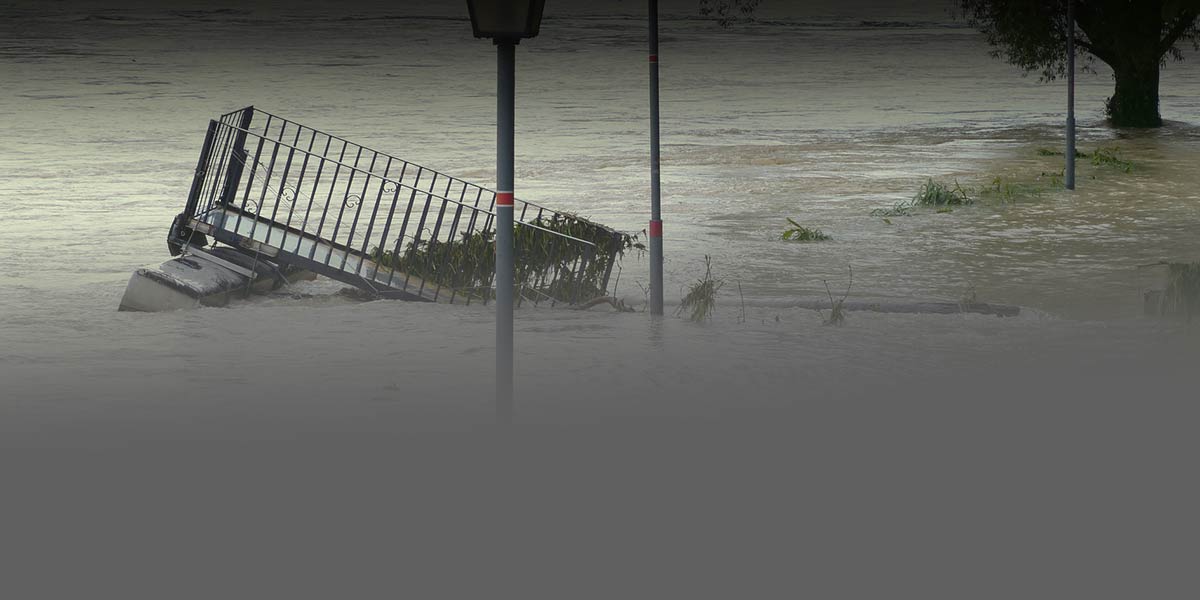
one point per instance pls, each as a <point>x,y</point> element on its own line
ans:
<point>814,115</point>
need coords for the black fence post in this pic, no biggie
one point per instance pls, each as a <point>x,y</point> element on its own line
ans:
<point>179,233</point>
<point>201,170</point>
<point>237,158</point>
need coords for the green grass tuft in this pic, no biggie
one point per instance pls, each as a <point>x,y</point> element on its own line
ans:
<point>935,193</point>
<point>800,233</point>
<point>1111,157</point>
<point>701,298</point>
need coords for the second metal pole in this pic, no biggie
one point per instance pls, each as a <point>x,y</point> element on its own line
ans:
<point>656,242</point>
<point>505,122</point>
<point>1069,176</point>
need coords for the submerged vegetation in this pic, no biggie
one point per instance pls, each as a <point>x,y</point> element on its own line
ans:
<point>548,266</point>
<point>837,311</point>
<point>1003,191</point>
<point>701,298</point>
<point>943,198</point>
<point>935,194</point>
<point>800,233</point>
<point>1182,295</point>
<point>1109,156</point>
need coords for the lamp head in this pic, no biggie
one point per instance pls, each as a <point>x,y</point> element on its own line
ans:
<point>506,20</point>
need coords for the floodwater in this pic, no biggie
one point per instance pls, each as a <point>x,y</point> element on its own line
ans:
<point>812,113</point>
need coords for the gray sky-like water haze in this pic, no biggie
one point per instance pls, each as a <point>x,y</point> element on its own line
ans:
<point>304,445</point>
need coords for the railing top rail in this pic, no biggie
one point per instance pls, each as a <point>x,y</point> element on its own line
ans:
<point>419,166</point>
<point>399,184</point>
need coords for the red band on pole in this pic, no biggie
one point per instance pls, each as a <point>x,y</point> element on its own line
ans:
<point>504,198</point>
<point>653,58</point>
<point>656,229</point>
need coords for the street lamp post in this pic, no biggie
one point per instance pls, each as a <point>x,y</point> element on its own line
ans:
<point>506,22</point>
<point>1069,176</point>
<point>656,241</point>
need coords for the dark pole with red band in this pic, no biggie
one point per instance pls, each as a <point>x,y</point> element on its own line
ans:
<point>1070,167</point>
<point>505,149</point>
<point>656,247</point>
<point>507,22</point>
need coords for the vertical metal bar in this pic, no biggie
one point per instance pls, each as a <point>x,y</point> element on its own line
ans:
<point>316,183</point>
<point>539,279</point>
<point>1070,168</point>
<point>466,244</point>
<point>201,170</point>
<point>585,262</point>
<point>417,232</point>
<point>445,196</point>
<point>433,182</point>
<point>462,201</point>
<point>505,150</point>
<point>475,213</point>
<point>341,210</point>
<point>557,246</point>
<point>299,190</point>
<point>388,223</point>
<point>262,198</point>
<point>237,158</point>
<point>213,168</point>
<point>383,238</point>
<point>337,168</point>
<point>374,211</point>
<point>615,247</point>
<point>437,228</point>
<point>362,199</point>
<point>491,281</point>
<point>249,184</point>
<point>656,246</point>
<point>228,147</point>
<point>412,197</point>
<point>454,229</point>
<point>287,168</point>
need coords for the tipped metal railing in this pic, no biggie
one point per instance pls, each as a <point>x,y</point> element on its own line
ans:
<point>298,196</point>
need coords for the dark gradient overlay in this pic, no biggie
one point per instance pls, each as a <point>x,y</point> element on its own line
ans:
<point>309,446</point>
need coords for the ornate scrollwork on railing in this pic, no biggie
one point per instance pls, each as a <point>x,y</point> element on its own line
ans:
<point>351,200</point>
<point>389,187</point>
<point>251,207</point>
<point>288,195</point>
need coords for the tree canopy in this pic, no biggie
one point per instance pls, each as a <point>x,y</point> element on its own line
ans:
<point>1133,38</point>
<point>728,11</point>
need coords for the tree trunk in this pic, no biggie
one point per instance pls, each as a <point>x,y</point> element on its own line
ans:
<point>1135,101</point>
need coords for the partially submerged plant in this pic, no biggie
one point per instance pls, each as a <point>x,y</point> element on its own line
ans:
<point>1111,157</point>
<point>1056,177</point>
<point>935,193</point>
<point>1007,192</point>
<point>547,265</point>
<point>837,312</point>
<point>903,208</point>
<point>1182,295</point>
<point>701,298</point>
<point>969,298</point>
<point>932,193</point>
<point>800,233</point>
<point>1049,152</point>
